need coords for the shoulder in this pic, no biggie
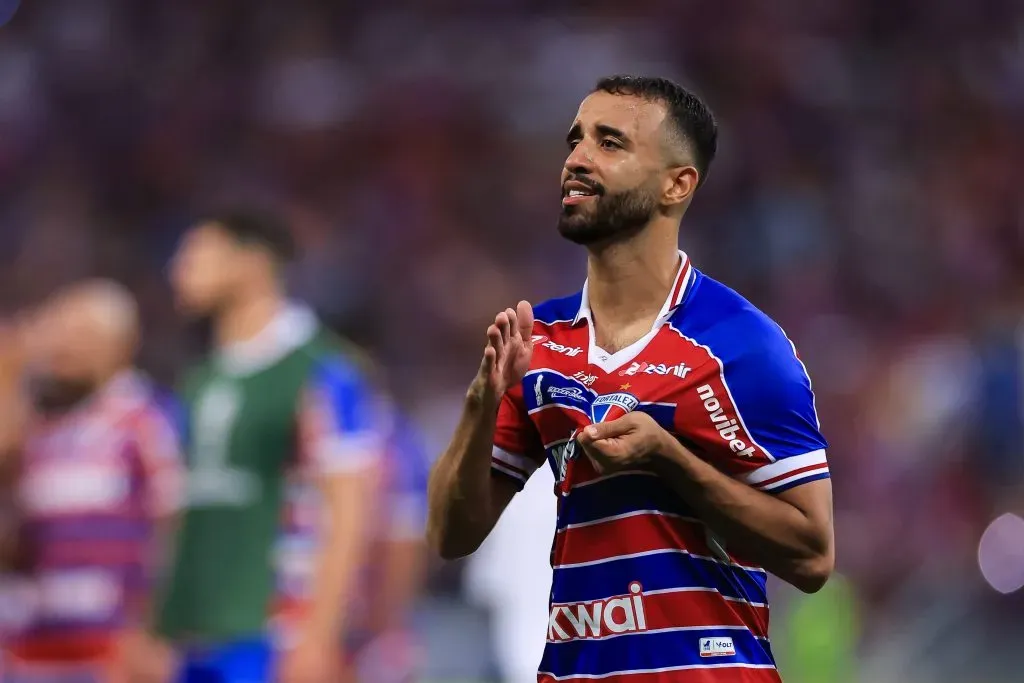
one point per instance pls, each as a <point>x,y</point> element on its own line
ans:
<point>733,330</point>
<point>554,311</point>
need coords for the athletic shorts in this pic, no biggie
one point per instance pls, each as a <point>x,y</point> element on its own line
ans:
<point>245,661</point>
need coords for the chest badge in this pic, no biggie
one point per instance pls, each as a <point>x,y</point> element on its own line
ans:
<point>612,406</point>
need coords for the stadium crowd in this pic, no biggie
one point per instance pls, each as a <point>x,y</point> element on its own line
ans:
<point>867,195</point>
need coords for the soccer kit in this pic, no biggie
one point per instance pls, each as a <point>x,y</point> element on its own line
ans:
<point>642,590</point>
<point>264,418</point>
<point>95,481</point>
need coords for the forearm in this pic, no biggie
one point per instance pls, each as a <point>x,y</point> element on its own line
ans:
<point>461,509</point>
<point>754,524</point>
<point>343,550</point>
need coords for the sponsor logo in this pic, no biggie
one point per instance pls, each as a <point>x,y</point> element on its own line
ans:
<point>584,379</point>
<point>716,647</point>
<point>574,393</point>
<point>636,368</point>
<point>727,427</point>
<point>599,618</point>
<point>564,454</point>
<point>612,406</point>
<point>544,342</point>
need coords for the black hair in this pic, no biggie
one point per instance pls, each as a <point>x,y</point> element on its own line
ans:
<point>262,228</point>
<point>690,117</point>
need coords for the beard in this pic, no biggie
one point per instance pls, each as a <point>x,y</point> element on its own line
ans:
<point>57,395</point>
<point>613,217</point>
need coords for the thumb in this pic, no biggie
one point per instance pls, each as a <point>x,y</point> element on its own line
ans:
<point>604,430</point>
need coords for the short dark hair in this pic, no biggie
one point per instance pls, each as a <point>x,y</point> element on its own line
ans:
<point>688,114</point>
<point>264,228</point>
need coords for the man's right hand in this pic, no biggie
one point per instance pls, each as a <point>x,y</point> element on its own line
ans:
<point>507,354</point>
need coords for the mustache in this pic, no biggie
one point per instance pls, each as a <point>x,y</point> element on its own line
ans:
<point>592,185</point>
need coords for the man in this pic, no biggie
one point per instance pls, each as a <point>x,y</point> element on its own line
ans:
<point>382,647</point>
<point>98,477</point>
<point>283,442</point>
<point>677,419</point>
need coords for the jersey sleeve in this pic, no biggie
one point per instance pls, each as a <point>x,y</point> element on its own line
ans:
<point>754,416</point>
<point>518,450</point>
<point>161,456</point>
<point>339,422</point>
<point>406,493</point>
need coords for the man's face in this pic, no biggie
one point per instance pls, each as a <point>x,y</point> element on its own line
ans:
<point>611,180</point>
<point>205,269</point>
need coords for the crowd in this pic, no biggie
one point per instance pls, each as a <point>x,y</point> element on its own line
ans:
<point>866,195</point>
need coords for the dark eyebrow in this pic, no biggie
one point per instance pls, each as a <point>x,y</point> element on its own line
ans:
<point>613,132</point>
<point>576,132</point>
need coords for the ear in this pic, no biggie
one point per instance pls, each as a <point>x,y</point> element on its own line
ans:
<point>680,184</point>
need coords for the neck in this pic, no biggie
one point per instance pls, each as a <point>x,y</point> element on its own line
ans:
<point>246,318</point>
<point>629,281</point>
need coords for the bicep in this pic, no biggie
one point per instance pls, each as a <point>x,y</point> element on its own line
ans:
<point>814,501</point>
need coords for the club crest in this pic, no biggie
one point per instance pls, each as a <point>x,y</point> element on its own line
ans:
<point>612,406</point>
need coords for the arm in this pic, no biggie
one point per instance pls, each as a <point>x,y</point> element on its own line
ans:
<point>494,448</point>
<point>341,448</point>
<point>465,498</point>
<point>789,534</point>
<point>343,549</point>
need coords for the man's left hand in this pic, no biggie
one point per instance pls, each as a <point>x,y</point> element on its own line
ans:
<point>625,443</point>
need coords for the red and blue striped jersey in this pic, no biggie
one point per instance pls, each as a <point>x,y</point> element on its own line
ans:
<point>642,590</point>
<point>95,481</point>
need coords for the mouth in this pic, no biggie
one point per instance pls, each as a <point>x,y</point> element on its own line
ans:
<point>575,192</point>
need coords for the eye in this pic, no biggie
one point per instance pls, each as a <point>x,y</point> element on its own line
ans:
<point>609,143</point>
<point>572,143</point>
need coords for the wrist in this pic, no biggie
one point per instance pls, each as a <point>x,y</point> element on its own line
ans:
<point>668,450</point>
<point>480,398</point>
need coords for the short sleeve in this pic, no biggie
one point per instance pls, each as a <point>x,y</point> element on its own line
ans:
<point>160,453</point>
<point>754,416</point>
<point>518,451</point>
<point>339,421</point>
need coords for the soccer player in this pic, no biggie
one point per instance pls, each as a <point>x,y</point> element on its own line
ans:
<point>99,475</point>
<point>283,450</point>
<point>382,647</point>
<point>677,418</point>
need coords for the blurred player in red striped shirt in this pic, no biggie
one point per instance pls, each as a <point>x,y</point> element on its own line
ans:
<point>99,472</point>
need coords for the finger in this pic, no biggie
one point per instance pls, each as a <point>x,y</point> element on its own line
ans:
<point>496,343</point>
<point>524,316</point>
<point>488,361</point>
<point>513,324</point>
<point>501,320</point>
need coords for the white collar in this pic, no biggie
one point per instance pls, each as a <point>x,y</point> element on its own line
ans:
<point>680,286</point>
<point>294,325</point>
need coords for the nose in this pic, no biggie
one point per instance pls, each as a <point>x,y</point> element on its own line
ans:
<point>580,161</point>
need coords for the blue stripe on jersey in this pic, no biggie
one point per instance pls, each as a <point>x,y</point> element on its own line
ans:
<point>619,495</point>
<point>659,571</point>
<point>768,383</point>
<point>653,650</point>
<point>800,482</point>
<point>547,387</point>
<point>663,413</point>
<point>349,396</point>
<point>558,310</point>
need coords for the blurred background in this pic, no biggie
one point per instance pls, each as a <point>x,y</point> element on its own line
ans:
<point>867,195</point>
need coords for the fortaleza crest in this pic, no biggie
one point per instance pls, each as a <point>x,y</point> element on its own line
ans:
<point>612,406</point>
